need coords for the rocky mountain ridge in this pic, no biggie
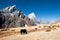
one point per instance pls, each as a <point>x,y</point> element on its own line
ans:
<point>11,17</point>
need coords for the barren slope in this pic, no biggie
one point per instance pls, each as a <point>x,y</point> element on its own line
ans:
<point>52,35</point>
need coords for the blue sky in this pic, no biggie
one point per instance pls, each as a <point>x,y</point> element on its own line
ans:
<point>43,9</point>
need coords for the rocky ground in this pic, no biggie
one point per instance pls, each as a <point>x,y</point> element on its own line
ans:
<point>38,35</point>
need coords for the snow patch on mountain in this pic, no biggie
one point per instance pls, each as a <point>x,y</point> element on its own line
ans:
<point>32,16</point>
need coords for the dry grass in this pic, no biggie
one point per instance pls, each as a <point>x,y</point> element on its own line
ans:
<point>14,31</point>
<point>37,35</point>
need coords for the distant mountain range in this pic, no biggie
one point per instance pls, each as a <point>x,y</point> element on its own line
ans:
<point>56,21</point>
<point>12,17</point>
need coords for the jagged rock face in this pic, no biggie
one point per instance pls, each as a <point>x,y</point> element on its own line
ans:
<point>11,17</point>
<point>2,20</point>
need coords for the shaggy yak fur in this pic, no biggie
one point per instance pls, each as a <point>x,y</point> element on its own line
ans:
<point>23,31</point>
